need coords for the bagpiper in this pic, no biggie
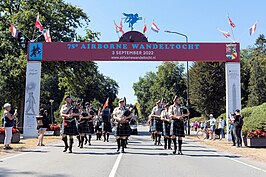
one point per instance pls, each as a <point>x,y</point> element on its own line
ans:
<point>165,117</point>
<point>122,116</point>
<point>177,113</point>
<point>106,123</point>
<point>156,123</point>
<point>69,114</point>
<point>98,125</point>
<point>83,126</point>
<point>92,114</point>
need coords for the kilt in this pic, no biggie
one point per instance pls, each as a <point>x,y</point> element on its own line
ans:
<point>70,128</point>
<point>153,125</point>
<point>98,126</point>
<point>84,127</point>
<point>166,128</point>
<point>91,128</point>
<point>157,125</point>
<point>123,130</point>
<point>177,128</point>
<point>106,127</point>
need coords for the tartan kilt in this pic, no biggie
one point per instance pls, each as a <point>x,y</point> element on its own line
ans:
<point>70,128</point>
<point>159,126</point>
<point>107,127</point>
<point>177,128</point>
<point>166,128</point>
<point>91,128</point>
<point>153,125</point>
<point>98,127</point>
<point>84,127</point>
<point>123,130</point>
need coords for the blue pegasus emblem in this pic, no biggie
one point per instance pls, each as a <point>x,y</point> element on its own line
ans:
<point>131,19</point>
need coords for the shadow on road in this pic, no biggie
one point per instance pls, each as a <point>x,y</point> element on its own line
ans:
<point>211,155</point>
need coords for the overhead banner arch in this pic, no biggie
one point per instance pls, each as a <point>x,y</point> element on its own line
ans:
<point>127,51</point>
<point>134,51</point>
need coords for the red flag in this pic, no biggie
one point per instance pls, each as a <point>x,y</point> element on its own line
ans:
<point>14,31</point>
<point>119,28</point>
<point>253,29</point>
<point>47,36</point>
<point>38,24</point>
<point>231,22</point>
<point>225,33</point>
<point>106,103</point>
<point>144,29</point>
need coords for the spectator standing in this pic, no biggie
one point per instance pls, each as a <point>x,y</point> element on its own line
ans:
<point>42,128</point>
<point>221,125</point>
<point>8,124</point>
<point>238,123</point>
<point>212,126</point>
<point>231,128</point>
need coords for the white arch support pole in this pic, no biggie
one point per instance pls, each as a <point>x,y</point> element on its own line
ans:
<point>32,99</point>
<point>233,90</point>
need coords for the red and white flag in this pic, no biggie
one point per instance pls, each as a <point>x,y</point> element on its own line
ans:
<point>47,36</point>
<point>106,103</point>
<point>253,29</point>
<point>225,33</point>
<point>154,27</point>
<point>14,31</point>
<point>144,29</point>
<point>119,28</point>
<point>231,22</point>
<point>38,24</point>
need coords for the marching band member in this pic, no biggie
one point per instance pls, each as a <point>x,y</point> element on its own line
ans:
<point>156,122</point>
<point>69,114</point>
<point>122,116</point>
<point>165,117</point>
<point>106,123</point>
<point>83,125</point>
<point>90,121</point>
<point>98,125</point>
<point>177,126</point>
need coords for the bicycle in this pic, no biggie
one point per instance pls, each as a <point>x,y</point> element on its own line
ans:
<point>203,134</point>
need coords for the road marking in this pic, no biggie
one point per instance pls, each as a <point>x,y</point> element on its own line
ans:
<point>112,174</point>
<point>238,161</point>
<point>251,166</point>
<point>24,153</point>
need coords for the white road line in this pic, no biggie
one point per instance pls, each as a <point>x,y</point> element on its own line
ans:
<point>24,153</point>
<point>251,166</point>
<point>112,174</point>
<point>238,161</point>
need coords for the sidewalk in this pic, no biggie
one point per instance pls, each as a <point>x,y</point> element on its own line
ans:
<point>223,145</point>
<point>28,143</point>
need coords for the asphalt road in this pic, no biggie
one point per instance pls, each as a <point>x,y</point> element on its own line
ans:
<point>142,158</point>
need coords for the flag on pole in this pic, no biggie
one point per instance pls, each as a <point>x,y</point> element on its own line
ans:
<point>225,33</point>
<point>144,29</point>
<point>47,36</point>
<point>119,28</point>
<point>14,31</point>
<point>253,29</point>
<point>154,27</point>
<point>106,103</point>
<point>231,22</point>
<point>38,24</point>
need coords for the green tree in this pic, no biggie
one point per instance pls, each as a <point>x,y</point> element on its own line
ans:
<point>257,82</point>
<point>207,87</point>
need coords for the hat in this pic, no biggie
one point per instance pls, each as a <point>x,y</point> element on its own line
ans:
<point>66,97</point>
<point>238,111</point>
<point>7,105</point>
<point>175,97</point>
<point>211,115</point>
<point>159,101</point>
<point>167,104</point>
<point>121,100</point>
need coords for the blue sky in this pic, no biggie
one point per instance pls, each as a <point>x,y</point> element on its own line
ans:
<point>198,19</point>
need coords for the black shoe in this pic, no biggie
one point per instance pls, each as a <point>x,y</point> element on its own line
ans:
<point>123,151</point>
<point>174,152</point>
<point>180,153</point>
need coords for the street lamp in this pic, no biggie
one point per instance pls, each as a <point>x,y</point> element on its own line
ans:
<point>181,34</point>
<point>52,117</point>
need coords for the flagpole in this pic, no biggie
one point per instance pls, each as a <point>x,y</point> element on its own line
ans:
<point>231,29</point>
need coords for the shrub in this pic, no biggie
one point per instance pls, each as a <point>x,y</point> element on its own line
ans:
<point>254,119</point>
